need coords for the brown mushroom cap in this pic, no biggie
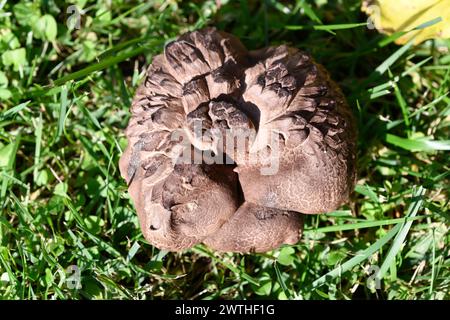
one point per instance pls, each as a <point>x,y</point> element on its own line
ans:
<point>207,77</point>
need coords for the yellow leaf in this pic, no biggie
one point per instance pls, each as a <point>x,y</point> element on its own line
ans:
<point>390,16</point>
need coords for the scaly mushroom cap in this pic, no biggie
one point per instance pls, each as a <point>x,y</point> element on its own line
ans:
<point>295,149</point>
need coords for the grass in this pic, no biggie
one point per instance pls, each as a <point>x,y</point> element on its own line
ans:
<point>67,225</point>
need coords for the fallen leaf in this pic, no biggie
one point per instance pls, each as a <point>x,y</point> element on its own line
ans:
<point>389,16</point>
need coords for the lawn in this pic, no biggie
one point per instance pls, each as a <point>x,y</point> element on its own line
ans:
<point>68,229</point>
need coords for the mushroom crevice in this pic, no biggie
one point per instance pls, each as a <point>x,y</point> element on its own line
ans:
<point>295,150</point>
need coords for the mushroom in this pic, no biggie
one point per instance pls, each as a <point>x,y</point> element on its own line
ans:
<point>190,182</point>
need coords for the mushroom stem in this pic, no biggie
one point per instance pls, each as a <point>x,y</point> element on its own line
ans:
<point>255,228</point>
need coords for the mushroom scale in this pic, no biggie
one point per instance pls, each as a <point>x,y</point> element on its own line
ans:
<point>230,147</point>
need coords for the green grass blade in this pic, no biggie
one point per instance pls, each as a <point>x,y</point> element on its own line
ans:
<point>105,63</point>
<point>428,23</point>
<point>362,225</point>
<point>14,110</point>
<point>382,68</point>
<point>62,111</point>
<point>281,281</point>
<point>37,151</point>
<point>402,103</point>
<point>10,167</point>
<point>416,144</point>
<point>399,34</point>
<point>328,27</point>
<point>429,105</point>
<point>405,226</point>
<point>360,257</point>
<point>308,10</point>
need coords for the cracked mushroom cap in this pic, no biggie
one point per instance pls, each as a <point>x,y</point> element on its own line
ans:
<point>230,147</point>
